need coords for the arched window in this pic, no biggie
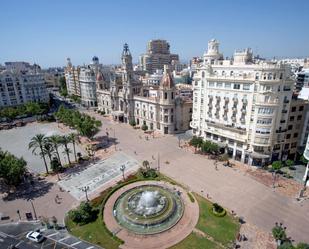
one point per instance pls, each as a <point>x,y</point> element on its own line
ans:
<point>203,74</point>
<point>257,76</point>
<point>281,76</point>
<point>275,76</point>
<point>264,76</point>
<point>270,76</point>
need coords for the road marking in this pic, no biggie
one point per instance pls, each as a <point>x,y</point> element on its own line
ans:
<point>19,243</point>
<point>76,243</point>
<point>89,247</point>
<point>52,234</point>
<point>3,235</point>
<point>64,238</point>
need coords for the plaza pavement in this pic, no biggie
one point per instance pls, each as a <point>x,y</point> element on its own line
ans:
<point>258,204</point>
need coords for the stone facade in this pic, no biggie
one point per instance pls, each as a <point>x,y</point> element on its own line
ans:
<point>128,100</point>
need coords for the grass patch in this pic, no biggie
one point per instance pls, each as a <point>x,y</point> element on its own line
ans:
<point>195,241</point>
<point>222,229</point>
<point>94,232</point>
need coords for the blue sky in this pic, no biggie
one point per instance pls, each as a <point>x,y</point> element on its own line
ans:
<point>46,32</point>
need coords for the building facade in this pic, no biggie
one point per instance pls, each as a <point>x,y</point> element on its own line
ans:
<point>19,87</point>
<point>128,100</point>
<point>157,55</point>
<point>242,105</point>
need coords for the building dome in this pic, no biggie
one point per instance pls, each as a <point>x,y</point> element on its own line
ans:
<point>167,79</point>
<point>95,60</point>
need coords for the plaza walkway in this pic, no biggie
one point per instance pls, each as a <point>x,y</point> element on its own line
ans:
<point>250,199</point>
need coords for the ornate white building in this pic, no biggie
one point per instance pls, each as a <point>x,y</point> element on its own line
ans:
<point>242,105</point>
<point>128,100</point>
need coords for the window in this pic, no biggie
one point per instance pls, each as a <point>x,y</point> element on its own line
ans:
<point>295,135</point>
<point>290,127</point>
<point>211,84</point>
<point>165,95</point>
<point>301,108</point>
<point>236,86</point>
<point>172,95</point>
<point>293,145</point>
<point>292,118</point>
<point>265,110</point>
<point>227,85</point>
<point>203,74</point>
<point>219,84</point>
<point>299,117</point>
<point>286,146</point>
<point>288,136</point>
<point>246,87</point>
<point>293,109</point>
<point>264,121</point>
<point>257,76</point>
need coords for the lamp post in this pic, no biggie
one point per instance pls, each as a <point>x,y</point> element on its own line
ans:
<point>158,162</point>
<point>35,216</point>
<point>85,189</point>
<point>122,169</point>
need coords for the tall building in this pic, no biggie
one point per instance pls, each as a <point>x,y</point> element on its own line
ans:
<point>81,81</point>
<point>157,55</point>
<point>128,100</point>
<point>21,83</point>
<point>242,104</point>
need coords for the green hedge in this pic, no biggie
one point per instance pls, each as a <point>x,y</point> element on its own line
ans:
<point>190,197</point>
<point>221,214</point>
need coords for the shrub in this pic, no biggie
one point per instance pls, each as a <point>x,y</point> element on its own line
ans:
<point>84,214</point>
<point>276,165</point>
<point>279,232</point>
<point>144,127</point>
<point>217,210</point>
<point>133,123</point>
<point>289,163</point>
<point>191,197</point>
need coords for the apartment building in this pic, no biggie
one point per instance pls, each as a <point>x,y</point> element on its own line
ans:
<point>19,85</point>
<point>157,55</point>
<point>242,104</point>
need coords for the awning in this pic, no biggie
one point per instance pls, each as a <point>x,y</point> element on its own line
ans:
<point>118,113</point>
<point>259,155</point>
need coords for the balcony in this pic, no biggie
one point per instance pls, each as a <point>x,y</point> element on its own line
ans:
<point>239,130</point>
<point>281,131</point>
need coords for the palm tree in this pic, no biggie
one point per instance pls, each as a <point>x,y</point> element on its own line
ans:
<point>48,149</point>
<point>55,140</point>
<point>65,142</point>
<point>72,137</point>
<point>37,142</point>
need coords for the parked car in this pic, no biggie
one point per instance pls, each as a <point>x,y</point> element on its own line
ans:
<point>35,236</point>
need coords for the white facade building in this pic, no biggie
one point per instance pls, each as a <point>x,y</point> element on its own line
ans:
<point>242,105</point>
<point>20,87</point>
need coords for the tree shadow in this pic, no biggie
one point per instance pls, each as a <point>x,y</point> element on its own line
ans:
<point>30,189</point>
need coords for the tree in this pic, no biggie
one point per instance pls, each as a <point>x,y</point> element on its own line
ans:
<point>144,127</point>
<point>37,143</point>
<point>279,233</point>
<point>84,214</point>
<point>55,140</point>
<point>196,142</point>
<point>72,137</point>
<point>146,164</point>
<point>11,168</point>
<point>65,142</point>
<point>303,159</point>
<point>132,123</point>
<point>276,165</point>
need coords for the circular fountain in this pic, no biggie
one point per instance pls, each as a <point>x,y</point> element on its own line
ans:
<point>148,209</point>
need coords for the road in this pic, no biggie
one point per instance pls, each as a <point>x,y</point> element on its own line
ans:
<point>250,199</point>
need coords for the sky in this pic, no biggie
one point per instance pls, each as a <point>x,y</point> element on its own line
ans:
<point>47,32</point>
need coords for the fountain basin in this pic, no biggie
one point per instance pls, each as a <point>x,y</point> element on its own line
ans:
<point>148,209</point>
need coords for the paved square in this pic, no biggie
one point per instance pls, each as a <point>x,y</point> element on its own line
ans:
<point>97,174</point>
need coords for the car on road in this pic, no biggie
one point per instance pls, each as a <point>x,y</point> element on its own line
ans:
<point>35,236</point>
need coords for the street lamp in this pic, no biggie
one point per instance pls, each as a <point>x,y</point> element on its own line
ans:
<point>33,209</point>
<point>85,189</point>
<point>122,169</point>
<point>158,163</point>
